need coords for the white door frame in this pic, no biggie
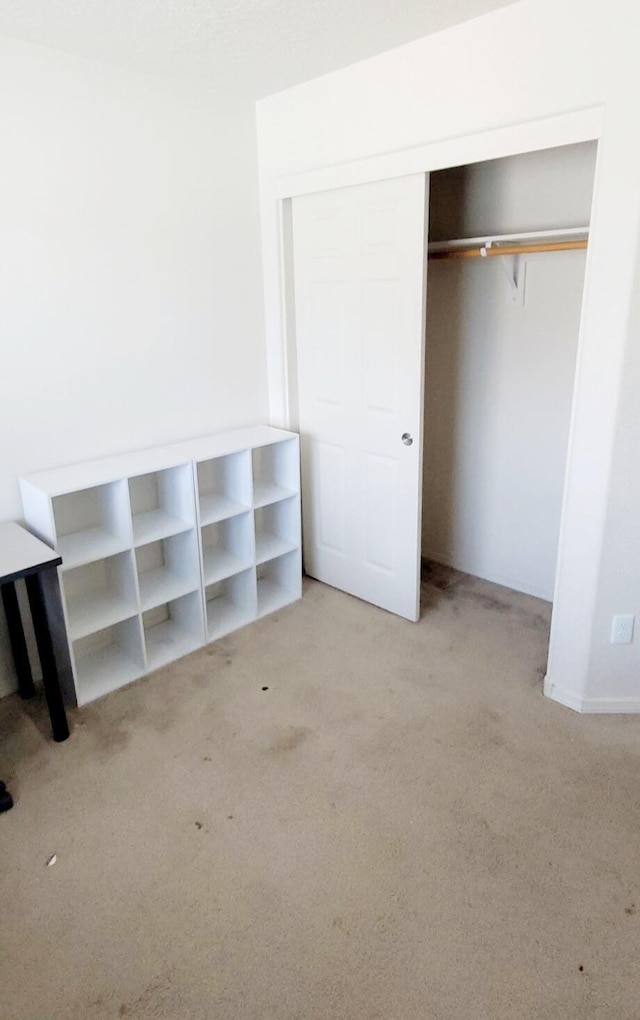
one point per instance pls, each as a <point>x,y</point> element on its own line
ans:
<point>566,129</point>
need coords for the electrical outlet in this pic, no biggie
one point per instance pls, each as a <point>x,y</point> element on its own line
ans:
<point>622,630</point>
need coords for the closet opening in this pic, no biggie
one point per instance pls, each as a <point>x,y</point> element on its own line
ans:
<point>501,342</point>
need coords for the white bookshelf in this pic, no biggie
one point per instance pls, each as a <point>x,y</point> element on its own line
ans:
<point>248,502</point>
<point>126,528</point>
<point>165,549</point>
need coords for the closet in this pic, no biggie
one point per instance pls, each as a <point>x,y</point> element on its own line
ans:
<point>501,342</point>
<point>481,454</point>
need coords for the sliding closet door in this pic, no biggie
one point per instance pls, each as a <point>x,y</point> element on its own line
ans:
<point>360,273</point>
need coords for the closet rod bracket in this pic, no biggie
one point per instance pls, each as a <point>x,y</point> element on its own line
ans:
<point>515,270</point>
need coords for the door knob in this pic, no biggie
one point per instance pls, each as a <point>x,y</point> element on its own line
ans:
<point>407,438</point>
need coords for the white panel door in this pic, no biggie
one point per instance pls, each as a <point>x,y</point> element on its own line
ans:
<point>360,274</point>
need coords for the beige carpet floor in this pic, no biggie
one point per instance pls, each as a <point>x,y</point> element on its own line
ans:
<point>400,827</point>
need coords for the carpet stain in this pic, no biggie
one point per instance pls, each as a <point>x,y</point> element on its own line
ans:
<point>339,923</point>
<point>288,740</point>
<point>164,719</point>
<point>152,1002</point>
<point>535,621</point>
<point>200,680</point>
<point>108,737</point>
<point>224,648</point>
<point>445,581</point>
<point>490,602</point>
<point>485,731</point>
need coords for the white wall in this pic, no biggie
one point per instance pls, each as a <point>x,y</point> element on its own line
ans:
<point>474,92</point>
<point>499,373</point>
<point>614,675</point>
<point>130,287</point>
<point>546,190</point>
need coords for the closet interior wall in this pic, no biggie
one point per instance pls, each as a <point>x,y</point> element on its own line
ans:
<point>500,372</point>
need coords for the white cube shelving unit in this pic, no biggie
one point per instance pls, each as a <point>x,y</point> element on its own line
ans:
<point>127,532</point>
<point>248,504</point>
<point>167,548</point>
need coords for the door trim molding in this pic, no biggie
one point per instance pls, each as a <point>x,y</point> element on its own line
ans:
<point>553,132</point>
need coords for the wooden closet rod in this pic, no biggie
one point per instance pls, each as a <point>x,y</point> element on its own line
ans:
<point>487,251</point>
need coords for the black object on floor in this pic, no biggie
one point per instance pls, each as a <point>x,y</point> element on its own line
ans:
<point>6,800</point>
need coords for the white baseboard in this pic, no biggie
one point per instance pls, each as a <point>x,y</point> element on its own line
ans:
<point>590,706</point>
<point>494,578</point>
<point>611,705</point>
<point>563,697</point>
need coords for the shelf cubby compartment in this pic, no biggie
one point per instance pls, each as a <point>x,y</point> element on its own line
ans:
<point>161,504</point>
<point>167,569</point>
<point>99,594</point>
<point>227,548</point>
<point>278,582</point>
<point>91,523</point>
<point>108,659</point>
<point>224,486</point>
<point>230,603</point>
<point>275,472</point>
<point>173,629</point>
<point>277,529</point>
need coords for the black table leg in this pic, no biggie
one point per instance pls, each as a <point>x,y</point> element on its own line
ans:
<point>50,677</point>
<point>18,643</point>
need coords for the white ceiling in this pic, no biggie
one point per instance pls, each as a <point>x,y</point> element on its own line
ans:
<point>247,47</point>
